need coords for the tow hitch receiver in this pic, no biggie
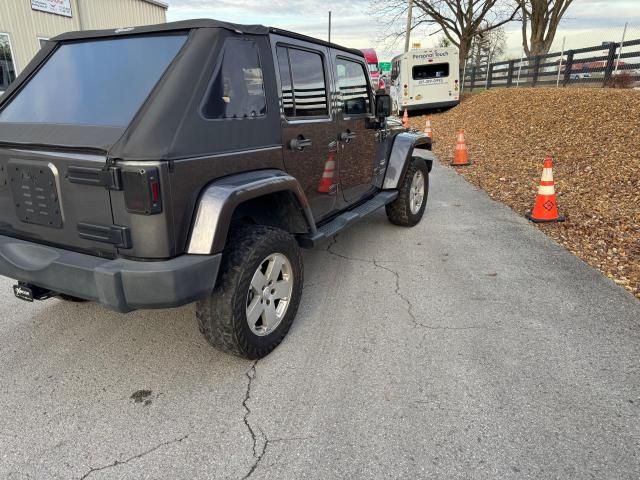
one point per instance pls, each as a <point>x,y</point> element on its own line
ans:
<point>29,293</point>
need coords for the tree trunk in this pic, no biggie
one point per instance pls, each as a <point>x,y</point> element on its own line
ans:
<point>464,49</point>
<point>543,18</point>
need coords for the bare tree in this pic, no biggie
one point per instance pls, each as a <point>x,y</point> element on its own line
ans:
<point>543,16</point>
<point>488,46</point>
<point>459,20</point>
<point>443,42</point>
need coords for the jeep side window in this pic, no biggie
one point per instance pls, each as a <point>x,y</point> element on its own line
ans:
<point>353,86</point>
<point>237,89</point>
<point>304,91</point>
<point>285,80</point>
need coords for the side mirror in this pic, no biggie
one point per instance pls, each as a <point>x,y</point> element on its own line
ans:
<point>383,106</point>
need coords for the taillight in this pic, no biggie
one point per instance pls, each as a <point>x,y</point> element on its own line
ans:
<point>155,191</point>
<point>142,193</point>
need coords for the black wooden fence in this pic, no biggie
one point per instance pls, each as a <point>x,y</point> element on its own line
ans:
<point>600,66</point>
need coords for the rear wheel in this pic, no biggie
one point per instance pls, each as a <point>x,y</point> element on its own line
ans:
<point>257,294</point>
<point>407,210</point>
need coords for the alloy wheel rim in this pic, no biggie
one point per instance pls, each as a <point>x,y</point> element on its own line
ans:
<point>269,294</point>
<point>416,192</point>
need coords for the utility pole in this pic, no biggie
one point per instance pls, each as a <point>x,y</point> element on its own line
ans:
<point>407,38</point>
<point>564,42</point>
<point>624,35</point>
<point>329,26</point>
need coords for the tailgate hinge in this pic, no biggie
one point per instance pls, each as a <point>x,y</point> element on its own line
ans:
<point>113,234</point>
<point>110,178</point>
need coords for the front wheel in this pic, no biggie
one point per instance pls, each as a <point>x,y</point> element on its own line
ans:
<point>257,294</point>
<point>407,210</point>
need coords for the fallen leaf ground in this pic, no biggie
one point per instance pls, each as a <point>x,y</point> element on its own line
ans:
<point>594,138</point>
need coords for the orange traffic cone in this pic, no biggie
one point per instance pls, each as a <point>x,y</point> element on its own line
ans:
<point>327,176</point>
<point>427,129</point>
<point>546,208</point>
<point>461,157</point>
<point>405,119</point>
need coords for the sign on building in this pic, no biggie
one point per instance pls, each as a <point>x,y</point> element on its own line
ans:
<point>57,7</point>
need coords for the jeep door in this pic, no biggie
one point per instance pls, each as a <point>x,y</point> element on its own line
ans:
<point>356,121</point>
<point>308,126</point>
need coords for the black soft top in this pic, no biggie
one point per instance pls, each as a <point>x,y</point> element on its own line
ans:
<point>164,27</point>
<point>198,23</point>
<point>169,125</point>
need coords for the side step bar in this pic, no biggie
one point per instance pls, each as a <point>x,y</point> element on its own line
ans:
<point>347,219</point>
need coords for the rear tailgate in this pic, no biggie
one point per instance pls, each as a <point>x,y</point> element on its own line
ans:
<point>57,198</point>
<point>79,97</point>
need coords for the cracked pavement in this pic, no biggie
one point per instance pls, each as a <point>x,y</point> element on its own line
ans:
<point>471,346</point>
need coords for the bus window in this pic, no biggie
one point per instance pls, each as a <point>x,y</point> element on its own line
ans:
<point>395,71</point>
<point>437,70</point>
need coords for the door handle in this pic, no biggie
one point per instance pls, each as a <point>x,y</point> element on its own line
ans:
<point>347,136</point>
<point>299,143</point>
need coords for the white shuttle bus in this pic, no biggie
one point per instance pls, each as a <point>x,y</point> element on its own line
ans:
<point>425,78</point>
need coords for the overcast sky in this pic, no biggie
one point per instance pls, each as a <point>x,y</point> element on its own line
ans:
<point>587,22</point>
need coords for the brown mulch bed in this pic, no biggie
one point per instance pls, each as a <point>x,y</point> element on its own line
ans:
<point>594,138</point>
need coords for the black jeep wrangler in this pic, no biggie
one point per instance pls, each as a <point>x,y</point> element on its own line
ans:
<point>155,166</point>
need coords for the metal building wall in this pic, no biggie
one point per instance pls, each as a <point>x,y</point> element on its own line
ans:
<point>97,14</point>
<point>25,25</point>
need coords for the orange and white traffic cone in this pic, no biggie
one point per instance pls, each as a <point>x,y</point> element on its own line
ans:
<point>327,176</point>
<point>546,208</point>
<point>427,129</point>
<point>405,119</point>
<point>461,157</point>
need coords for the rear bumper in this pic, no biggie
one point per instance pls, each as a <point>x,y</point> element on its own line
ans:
<point>430,105</point>
<point>121,285</point>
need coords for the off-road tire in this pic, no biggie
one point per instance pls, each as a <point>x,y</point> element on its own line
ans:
<point>399,211</point>
<point>222,316</point>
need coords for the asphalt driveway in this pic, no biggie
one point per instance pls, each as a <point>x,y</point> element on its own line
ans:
<point>471,346</point>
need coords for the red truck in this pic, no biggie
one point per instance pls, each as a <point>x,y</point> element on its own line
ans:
<point>371,58</point>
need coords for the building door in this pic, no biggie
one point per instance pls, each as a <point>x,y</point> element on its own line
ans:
<point>7,63</point>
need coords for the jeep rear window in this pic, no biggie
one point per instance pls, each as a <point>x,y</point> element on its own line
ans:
<point>97,82</point>
<point>436,70</point>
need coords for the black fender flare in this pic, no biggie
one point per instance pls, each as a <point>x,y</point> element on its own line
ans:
<point>405,146</point>
<point>219,200</point>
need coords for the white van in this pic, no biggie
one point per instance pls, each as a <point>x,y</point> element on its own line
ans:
<point>425,78</point>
